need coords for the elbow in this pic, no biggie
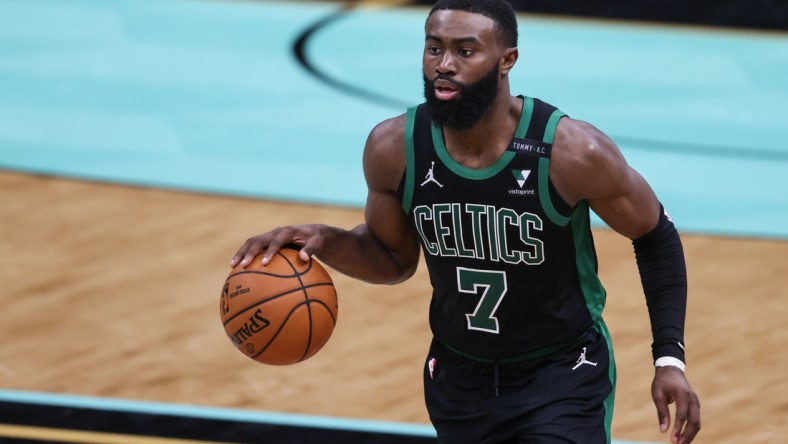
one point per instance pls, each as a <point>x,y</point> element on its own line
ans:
<point>406,274</point>
<point>395,276</point>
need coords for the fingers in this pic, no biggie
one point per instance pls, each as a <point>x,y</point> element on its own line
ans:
<point>663,414</point>
<point>671,387</point>
<point>273,246</point>
<point>681,418</point>
<point>687,418</point>
<point>312,245</point>
<point>270,243</point>
<point>251,248</point>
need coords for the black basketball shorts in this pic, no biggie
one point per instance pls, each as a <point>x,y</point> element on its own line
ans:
<point>565,397</point>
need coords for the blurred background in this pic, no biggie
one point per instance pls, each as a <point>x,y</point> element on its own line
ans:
<point>142,141</point>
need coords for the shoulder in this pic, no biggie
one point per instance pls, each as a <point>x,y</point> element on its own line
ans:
<point>585,163</point>
<point>583,144</point>
<point>387,135</point>
<point>384,153</point>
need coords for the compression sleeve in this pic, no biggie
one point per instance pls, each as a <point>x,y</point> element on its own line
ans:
<point>663,273</point>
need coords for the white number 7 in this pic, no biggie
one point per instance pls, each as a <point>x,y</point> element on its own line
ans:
<point>491,286</point>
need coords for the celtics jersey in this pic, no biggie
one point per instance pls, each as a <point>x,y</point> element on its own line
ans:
<point>512,267</point>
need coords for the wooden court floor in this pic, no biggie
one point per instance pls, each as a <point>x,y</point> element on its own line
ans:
<point>113,291</point>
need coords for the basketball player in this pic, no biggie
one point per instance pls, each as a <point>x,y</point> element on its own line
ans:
<point>497,189</point>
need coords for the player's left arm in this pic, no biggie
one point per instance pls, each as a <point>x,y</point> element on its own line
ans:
<point>587,165</point>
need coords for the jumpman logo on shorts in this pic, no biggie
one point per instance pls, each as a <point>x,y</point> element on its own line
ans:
<point>582,360</point>
<point>431,177</point>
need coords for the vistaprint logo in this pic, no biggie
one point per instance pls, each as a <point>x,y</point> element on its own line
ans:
<point>521,176</point>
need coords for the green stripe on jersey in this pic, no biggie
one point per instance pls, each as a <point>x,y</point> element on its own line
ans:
<point>611,374</point>
<point>525,117</point>
<point>585,257</point>
<point>495,168</point>
<point>544,173</point>
<point>410,159</point>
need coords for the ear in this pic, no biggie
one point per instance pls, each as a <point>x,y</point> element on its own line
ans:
<point>508,59</point>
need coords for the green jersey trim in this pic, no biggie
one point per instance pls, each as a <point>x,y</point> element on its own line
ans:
<point>495,168</point>
<point>544,173</point>
<point>552,124</point>
<point>525,117</point>
<point>410,159</point>
<point>585,258</point>
<point>611,374</point>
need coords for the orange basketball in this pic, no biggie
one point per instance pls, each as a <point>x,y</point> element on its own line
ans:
<point>281,313</point>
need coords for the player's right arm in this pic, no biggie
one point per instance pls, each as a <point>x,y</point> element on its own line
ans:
<point>385,248</point>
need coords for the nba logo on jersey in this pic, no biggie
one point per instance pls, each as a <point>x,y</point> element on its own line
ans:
<point>431,367</point>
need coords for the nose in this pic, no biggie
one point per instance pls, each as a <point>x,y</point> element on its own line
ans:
<point>446,64</point>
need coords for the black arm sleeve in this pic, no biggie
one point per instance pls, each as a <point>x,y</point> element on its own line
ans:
<point>663,273</point>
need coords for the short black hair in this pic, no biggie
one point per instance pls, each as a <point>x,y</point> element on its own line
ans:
<point>500,11</point>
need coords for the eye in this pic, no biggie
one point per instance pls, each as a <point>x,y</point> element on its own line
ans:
<point>465,52</point>
<point>433,50</point>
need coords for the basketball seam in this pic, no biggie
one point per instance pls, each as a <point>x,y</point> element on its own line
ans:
<point>282,325</point>
<point>308,306</point>
<point>276,296</point>
<point>310,294</point>
<point>264,273</point>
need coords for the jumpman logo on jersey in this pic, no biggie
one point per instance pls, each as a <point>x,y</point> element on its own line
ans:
<point>582,360</point>
<point>431,177</point>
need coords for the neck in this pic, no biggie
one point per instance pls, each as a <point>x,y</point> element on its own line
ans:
<point>481,145</point>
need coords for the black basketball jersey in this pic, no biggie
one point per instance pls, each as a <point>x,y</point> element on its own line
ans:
<point>512,275</point>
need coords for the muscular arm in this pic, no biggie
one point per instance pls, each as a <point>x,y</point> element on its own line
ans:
<point>384,249</point>
<point>598,173</point>
<point>588,166</point>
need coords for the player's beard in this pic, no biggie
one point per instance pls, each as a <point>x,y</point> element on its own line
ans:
<point>468,107</point>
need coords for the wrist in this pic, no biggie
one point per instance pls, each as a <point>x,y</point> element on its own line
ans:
<point>670,361</point>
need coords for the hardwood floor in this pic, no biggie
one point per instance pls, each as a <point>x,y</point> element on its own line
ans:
<point>113,291</point>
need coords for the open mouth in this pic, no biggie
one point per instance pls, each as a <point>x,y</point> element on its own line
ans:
<point>445,89</point>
